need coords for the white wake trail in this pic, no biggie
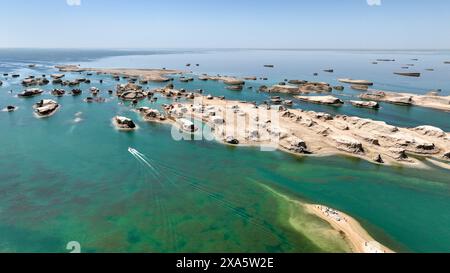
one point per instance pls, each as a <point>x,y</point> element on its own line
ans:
<point>142,158</point>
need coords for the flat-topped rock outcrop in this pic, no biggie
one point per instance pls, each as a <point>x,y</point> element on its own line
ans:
<point>429,101</point>
<point>365,104</point>
<point>45,108</point>
<point>31,92</point>
<point>329,100</point>
<point>124,123</point>
<point>154,75</point>
<point>299,87</point>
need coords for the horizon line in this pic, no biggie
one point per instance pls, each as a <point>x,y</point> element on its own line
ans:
<point>230,48</point>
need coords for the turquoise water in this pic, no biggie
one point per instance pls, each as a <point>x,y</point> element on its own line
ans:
<point>63,181</point>
<point>302,65</point>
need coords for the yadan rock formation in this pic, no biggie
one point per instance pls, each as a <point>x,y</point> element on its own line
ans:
<point>430,100</point>
<point>305,132</point>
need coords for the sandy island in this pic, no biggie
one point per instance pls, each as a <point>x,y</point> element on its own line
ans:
<point>359,240</point>
<point>355,236</point>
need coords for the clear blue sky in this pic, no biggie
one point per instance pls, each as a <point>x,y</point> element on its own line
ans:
<point>395,24</point>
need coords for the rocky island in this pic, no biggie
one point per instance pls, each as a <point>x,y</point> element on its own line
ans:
<point>308,132</point>
<point>429,101</point>
<point>45,108</point>
<point>153,75</point>
<point>124,123</point>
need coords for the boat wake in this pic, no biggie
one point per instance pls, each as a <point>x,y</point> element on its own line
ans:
<point>143,159</point>
<point>169,176</point>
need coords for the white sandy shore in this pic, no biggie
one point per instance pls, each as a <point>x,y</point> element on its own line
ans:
<point>354,235</point>
<point>358,238</point>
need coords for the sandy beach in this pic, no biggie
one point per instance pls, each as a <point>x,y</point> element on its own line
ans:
<point>360,241</point>
<point>346,227</point>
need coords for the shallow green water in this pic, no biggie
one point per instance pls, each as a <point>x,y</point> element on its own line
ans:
<point>62,181</point>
